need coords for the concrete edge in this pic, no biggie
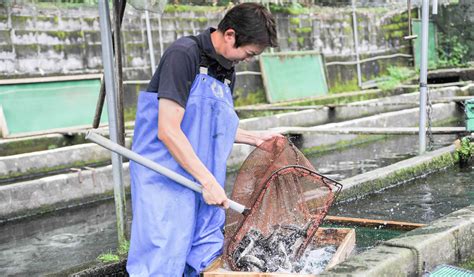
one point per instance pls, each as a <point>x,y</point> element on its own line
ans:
<point>447,240</point>
<point>381,178</point>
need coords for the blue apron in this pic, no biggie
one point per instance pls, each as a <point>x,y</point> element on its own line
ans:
<point>174,232</point>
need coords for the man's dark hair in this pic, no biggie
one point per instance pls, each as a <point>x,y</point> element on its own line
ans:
<point>252,23</point>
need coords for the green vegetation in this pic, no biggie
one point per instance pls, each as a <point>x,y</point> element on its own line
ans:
<point>469,264</point>
<point>188,8</point>
<point>464,150</point>
<point>344,87</point>
<point>252,98</point>
<point>303,30</point>
<point>452,52</point>
<point>400,176</point>
<point>295,21</point>
<point>37,171</point>
<point>293,9</point>
<point>110,257</point>
<point>396,76</point>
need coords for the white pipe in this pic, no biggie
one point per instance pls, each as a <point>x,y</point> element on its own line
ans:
<point>150,43</point>
<point>435,7</point>
<point>356,43</point>
<point>116,148</point>
<point>423,75</point>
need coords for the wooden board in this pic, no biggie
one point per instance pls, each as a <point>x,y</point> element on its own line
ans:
<point>343,238</point>
<point>293,75</point>
<point>380,224</point>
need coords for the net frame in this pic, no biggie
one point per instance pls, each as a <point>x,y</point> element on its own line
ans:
<point>299,167</point>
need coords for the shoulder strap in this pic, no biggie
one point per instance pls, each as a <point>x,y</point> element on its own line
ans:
<point>206,61</point>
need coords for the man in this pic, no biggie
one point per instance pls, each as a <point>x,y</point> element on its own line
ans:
<point>186,122</point>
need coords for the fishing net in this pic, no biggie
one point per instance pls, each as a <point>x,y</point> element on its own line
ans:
<point>287,200</point>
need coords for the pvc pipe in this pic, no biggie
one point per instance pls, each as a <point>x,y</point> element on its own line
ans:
<point>116,148</point>
<point>423,75</point>
<point>356,43</point>
<point>435,7</point>
<point>111,90</point>
<point>150,43</point>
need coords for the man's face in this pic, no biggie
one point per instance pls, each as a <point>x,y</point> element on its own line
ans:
<point>241,53</point>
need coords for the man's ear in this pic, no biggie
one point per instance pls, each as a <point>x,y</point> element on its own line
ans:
<point>229,37</point>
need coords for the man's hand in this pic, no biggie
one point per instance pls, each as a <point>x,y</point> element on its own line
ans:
<point>255,138</point>
<point>213,193</point>
<point>262,137</point>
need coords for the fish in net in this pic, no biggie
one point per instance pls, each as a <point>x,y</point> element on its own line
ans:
<point>288,200</point>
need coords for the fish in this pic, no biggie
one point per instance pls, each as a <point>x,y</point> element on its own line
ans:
<point>277,251</point>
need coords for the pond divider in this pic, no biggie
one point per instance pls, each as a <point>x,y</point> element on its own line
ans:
<point>49,193</point>
<point>448,240</point>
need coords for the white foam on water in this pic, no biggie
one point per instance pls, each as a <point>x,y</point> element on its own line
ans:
<point>313,261</point>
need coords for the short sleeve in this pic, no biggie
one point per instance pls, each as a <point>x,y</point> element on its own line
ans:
<point>177,71</point>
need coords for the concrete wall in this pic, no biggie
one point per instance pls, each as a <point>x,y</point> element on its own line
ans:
<point>41,41</point>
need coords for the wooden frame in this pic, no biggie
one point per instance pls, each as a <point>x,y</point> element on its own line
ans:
<point>344,238</point>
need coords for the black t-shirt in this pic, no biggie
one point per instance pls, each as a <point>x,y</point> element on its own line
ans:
<point>180,64</point>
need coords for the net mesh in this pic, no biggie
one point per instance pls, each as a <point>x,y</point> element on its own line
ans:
<point>287,201</point>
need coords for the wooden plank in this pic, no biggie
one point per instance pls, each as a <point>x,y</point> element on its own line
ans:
<point>344,250</point>
<point>369,130</point>
<point>365,222</point>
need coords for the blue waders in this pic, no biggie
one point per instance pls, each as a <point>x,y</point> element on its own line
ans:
<point>174,232</point>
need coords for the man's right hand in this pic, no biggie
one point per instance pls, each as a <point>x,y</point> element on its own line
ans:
<point>213,193</point>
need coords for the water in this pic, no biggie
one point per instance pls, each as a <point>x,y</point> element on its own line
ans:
<point>359,159</point>
<point>316,260</point>
<point>60,240</point>
<point>420,201</point>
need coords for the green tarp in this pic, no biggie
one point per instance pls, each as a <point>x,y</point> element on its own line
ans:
<point>37,107</point>
<point>432,44</point>
<point>293,75</point>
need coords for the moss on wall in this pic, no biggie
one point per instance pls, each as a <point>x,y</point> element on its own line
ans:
<point>399,176</point>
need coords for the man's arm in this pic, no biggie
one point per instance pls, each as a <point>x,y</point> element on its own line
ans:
<point>170,133</point>
<point>253,137</point>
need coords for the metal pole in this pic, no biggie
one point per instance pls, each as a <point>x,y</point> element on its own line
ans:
<point>101,99</point>
<point>110,82</point>
<point>117,40</point>
<point>356,43</point>
<point>423,74</point>
<point>150,43</point>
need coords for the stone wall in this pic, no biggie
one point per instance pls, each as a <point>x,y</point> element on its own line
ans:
<point>49,40</point>
<point>457,20</point>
